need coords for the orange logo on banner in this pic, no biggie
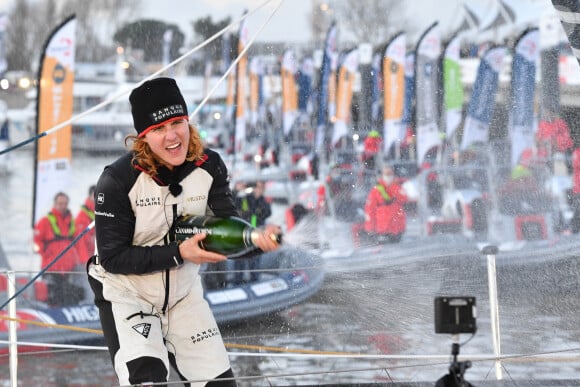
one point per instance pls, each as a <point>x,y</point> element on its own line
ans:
<point>55,103</point>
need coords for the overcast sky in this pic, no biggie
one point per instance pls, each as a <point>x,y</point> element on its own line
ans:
<point>290,23</point>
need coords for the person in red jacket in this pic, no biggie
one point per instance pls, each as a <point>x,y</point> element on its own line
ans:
<point>372,146</point>
<point>52,235</point>
<point>85,216</point>
<point>553,135</point>
<point>384,212</point>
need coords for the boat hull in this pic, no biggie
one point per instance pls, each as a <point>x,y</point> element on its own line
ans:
<point>289,276</point>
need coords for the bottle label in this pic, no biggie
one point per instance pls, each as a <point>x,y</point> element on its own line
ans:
<point>186,230</point>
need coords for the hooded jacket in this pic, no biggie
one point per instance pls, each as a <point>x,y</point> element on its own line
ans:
<point>134,213</point>
<point>384,209</point>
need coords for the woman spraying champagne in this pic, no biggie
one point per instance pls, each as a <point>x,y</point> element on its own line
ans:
<point>146,282</point>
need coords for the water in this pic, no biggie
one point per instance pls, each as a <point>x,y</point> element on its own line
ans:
<point>377,302</point>
<point>16,199</point>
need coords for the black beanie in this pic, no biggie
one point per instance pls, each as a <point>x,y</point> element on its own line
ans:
<point>155,102</point>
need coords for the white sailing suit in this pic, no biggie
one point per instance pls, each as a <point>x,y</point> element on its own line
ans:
<point>151,302</point>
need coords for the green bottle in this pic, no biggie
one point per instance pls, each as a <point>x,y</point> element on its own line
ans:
<point>228,236</point>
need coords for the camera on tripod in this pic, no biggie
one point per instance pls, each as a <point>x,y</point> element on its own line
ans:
<point>455,315</point>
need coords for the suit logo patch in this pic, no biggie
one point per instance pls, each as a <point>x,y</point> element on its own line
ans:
<point>143,329</point>
<point>206,334</point>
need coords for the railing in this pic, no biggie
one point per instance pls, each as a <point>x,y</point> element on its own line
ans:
<point>372,321</point>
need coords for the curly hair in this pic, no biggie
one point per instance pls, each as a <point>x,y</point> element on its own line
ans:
<point>146,159</point>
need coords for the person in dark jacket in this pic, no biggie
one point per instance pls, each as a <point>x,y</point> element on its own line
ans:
<point>253,208</point>
<point>146,284</point>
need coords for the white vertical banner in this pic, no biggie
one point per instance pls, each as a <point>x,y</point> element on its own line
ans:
<point>241,88</point>
<point>523,87</point>
<point>55,96</point>
<point>427,89</point>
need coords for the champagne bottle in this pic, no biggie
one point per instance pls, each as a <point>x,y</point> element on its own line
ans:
<point>228,236</point>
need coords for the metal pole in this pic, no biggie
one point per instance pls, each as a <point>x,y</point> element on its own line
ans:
<point>12,325</point>
<point>490,252</point>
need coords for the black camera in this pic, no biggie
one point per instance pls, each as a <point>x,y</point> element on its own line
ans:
<point>455,315</point>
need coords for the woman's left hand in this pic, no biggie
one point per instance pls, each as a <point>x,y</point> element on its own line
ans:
<point>269,237</point>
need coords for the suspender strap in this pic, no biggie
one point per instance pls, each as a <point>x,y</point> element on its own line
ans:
<point>383,193</point>
<point>245,208</point>
<point>89,213</point>
<point>56,230</point>
<point>171,235</point>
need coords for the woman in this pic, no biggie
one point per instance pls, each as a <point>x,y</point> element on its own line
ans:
<point>147,286</point>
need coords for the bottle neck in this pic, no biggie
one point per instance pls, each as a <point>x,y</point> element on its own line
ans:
<point>251,236</point>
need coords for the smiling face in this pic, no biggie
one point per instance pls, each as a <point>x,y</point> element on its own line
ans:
<point>169,142</point>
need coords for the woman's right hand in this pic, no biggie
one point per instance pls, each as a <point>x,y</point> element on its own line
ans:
<point>190,251</point>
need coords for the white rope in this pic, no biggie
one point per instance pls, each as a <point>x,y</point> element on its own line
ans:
<point>554,356</point>
<point>54,345</point>
<point>155,74</point>
<point>235,62</point>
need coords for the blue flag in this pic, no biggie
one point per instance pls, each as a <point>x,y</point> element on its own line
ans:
<point>482,102</point>
<point>330,50</point>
